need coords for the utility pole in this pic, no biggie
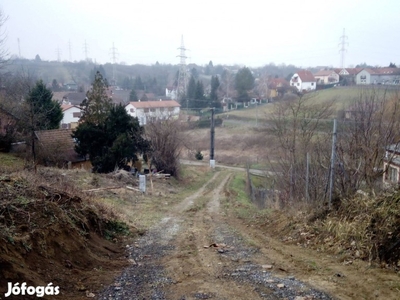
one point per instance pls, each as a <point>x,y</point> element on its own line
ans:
<point>343,43</point>
<point>212,133</point>
<point>332,173</point>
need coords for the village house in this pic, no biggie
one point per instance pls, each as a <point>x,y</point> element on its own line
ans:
<point>391,164</point>
<point>277,87</point>
<point>57,147</point>
<point>72,115</point>
<point>326,77</point>
<point>170,93</point>
<point>146,111</point>
<point>389,76</point>
<point>347,76</point>
<point>7,122</point>
<point>303,81</point>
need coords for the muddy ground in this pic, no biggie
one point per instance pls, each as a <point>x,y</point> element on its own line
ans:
<point>201,250</point>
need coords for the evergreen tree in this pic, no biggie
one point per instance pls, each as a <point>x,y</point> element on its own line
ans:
<point>97,104</point>
<point>138,85</point>
<point>214,88</point>
<point>133,96</point>
<point>244,81</point>
<point>127,83</point>
<point>191,90</point>
<point>42,113</point>
<point>45,113</point>
<point>113,143</point>
<point>199,95</point>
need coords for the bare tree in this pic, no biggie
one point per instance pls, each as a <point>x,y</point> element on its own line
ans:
<point>298,125</point>
<point>373,122</point>
<point>3,36</point>
<point>167,140</point>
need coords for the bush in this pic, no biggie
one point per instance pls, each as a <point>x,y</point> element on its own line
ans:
<point>198,155</point>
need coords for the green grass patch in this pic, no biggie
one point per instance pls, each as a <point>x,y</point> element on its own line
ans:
<point>10,162</point>
<point>239,201</point>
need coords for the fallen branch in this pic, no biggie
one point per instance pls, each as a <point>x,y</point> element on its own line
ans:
<point>101,189</point>
<point>133,189</point>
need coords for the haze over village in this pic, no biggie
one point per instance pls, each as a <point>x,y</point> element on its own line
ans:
<point>211,150</point>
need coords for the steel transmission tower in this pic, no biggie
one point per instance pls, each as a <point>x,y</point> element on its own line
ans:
<point>19,49</point>
<point>343,43</point>
<point>70,50</point>
<point>114,55</point>
<point>182,78</point>
<point>58,52</point>
<point>85,50</point>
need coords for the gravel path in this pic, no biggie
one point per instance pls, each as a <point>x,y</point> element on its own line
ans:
<point>194,254</point>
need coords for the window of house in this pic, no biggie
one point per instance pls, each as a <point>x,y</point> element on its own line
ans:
<point>312,83</point>
<point>77,114</point>
<point>298,84</point>
<point>170,109</point>
<point>132,110</point>
<point>393,173</point>
<point>146,110</point>
<point>152,109</point>
<point>162,109</point>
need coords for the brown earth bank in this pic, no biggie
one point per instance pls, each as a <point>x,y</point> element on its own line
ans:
<point>51,233</point>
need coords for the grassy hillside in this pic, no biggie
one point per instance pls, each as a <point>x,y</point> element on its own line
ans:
<point>342,98</point>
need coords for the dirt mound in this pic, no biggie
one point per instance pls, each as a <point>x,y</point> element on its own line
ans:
<point>51,235</point>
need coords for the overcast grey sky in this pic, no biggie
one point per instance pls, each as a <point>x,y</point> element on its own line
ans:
<point>253,32</point>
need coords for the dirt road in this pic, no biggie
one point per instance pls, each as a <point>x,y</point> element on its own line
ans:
<point>195,252</point>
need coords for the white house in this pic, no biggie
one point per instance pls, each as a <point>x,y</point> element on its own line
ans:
<point>304,81</point>
<point>391,164</point>
<point>378,76</point>
<point>326,77</point>
<point>170,93</point>
<point>72,115</point>
<point>153,110</point>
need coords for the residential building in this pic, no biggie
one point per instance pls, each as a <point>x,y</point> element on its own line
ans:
<point>347,76</point>
<point>303,81</point>
<point>7,122</point>
<point>391,164</point>
<point>389,76</point>
<point>146,111</point>
<point>326,77</point>
<point>57,147</point>
<point>72,115</point>
<point>277,87</point>
<point>170,92</point>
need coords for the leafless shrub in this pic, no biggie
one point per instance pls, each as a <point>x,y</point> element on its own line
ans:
<point>167,140</point>
<point>373,122</point>
<point>297,126</point>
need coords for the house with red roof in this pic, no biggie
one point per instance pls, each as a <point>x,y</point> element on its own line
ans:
<point>303,81</point>
<point>146,111</point>
<point>390,76</point>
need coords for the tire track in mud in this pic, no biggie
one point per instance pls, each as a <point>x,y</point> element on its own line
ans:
<point>174,260</point>
<point>232,271</point>
<point>146,278</point>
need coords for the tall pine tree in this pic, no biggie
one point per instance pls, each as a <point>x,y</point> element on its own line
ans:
<point>97,103</point>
